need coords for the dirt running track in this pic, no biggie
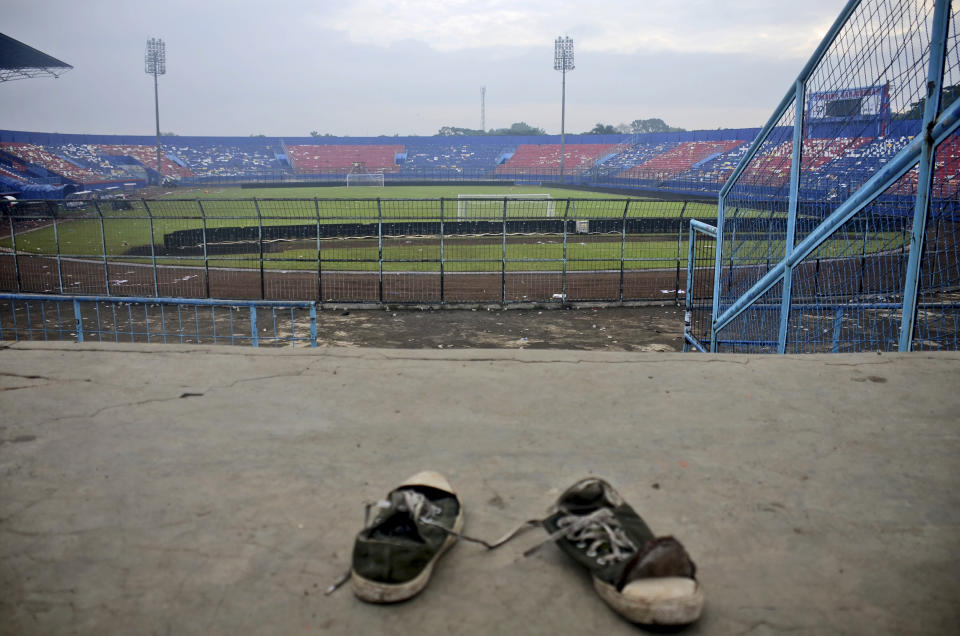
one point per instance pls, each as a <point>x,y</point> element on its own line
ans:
<point>38,274</point>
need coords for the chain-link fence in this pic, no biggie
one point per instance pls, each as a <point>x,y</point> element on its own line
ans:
<point>839,230</point>
<point>471,249</point>
<point>27,317</point>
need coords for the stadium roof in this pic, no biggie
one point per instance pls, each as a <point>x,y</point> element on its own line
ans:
<point>19,61</point>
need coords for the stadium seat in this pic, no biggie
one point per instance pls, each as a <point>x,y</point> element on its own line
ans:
<point>545,158</point>
<point>336,159</point>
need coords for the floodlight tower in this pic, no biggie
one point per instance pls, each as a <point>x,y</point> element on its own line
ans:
<point>155,63</point>
<point>563,62</point>
<point>483,108</point>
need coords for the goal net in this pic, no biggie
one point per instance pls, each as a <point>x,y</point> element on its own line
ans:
<point>365,179</point>
<point>491,206</point>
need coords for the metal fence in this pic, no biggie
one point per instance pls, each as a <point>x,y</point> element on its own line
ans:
<point>692,182</point>
<point>876,266</point>
<point>698,298</point>
<point>25,317</point>
<point>374,250</point>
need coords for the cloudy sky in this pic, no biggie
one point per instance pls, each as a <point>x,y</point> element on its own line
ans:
<point>367,67</point>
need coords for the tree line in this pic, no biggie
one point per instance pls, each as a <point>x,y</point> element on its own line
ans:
<point>637,126</point>
<point>521,128</point>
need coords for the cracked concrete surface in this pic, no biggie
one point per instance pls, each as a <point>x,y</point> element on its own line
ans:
<point>167,489</point>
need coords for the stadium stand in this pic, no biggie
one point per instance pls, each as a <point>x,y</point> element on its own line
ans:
<point>454,155</point>
<point>717,168</point>
<point>682,157</point>
<point>635,154</point>
<point>50,162</point>
<point>860,163</point>
<point>219,159</point>
<point>689,162</point>
<point>10,178</point>
<point>147,155</point>
<point>772,167</point>
<point>109,167</point>
<point>545,158</point>
<point>339,159</point>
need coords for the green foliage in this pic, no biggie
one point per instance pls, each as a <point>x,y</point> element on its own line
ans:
<point>602,129</point>
<point>517,128</point>
<point>314,133</point>
<point>654,125</point>
<point>950,94</point>
<point>452,131</point>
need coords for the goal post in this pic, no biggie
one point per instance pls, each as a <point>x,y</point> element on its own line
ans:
<point>490,206</point>
<point>365,179</point>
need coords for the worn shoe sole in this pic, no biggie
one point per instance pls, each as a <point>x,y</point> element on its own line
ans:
<point>655,601</point>
<point>376,592</point>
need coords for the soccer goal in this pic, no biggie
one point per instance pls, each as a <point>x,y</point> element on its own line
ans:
<point>365,179</point>
<point>490,206</point>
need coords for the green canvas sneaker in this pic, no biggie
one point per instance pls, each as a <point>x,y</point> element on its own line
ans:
<point>394,555</point>
<point>646,579</point>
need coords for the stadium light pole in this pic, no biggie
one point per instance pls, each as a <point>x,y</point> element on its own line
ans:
<point>155,63</point>
<point>563,62</point>
<point>483,109</point>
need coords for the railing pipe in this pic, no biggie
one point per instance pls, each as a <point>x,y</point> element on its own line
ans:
<point>103,248</point>
<point>795,163</point>
<point>153,250</point>
<point>889,174</point>
<point>938,45</point>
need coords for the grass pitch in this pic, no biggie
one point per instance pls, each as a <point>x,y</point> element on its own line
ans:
<point>386,192</point>
<point>126,234</point>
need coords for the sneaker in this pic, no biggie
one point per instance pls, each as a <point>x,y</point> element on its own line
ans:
<point>646,579</point>
<point>394,555</point>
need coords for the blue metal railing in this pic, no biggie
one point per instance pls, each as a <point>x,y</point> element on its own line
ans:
<point>936,127</point>
<point>137,319</point>
<point>694,306</point>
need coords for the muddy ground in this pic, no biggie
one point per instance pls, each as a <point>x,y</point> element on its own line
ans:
<point>646,328</point>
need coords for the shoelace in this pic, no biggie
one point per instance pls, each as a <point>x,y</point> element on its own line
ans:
<point>594,532</point>
<point>422,511</point>
<point>415,503</point>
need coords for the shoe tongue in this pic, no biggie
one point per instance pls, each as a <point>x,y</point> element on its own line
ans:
<point>398,520</point>
<point>585,499</point>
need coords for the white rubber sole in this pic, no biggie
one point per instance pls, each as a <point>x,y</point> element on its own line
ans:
<point>655,601</point>
<point>376,592</point>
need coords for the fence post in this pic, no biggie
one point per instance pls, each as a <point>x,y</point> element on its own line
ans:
<point>206,261</point>
<point>688,301</point>
<point>103,247</point>
<point>563,275</point>
<point>623,246</point>
<point>313,324</point>
<point>16,260</point>
<point>503,258</point>
<point>56,241</point>
<point>863,256</point>
<point>256,206</point>
<point>379,251</point>
<point>153,250</point>
<point>316,207</point>
<point>797,158</point>
<point>717,262</point>
<point>676,286</point>
<point>938,40</point>
<point>79,320</point>
<point>442,254</point>
<point>837,325</point>
<point>254,336</point>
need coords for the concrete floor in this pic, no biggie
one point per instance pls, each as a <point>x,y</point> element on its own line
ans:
<point>166,489</point>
